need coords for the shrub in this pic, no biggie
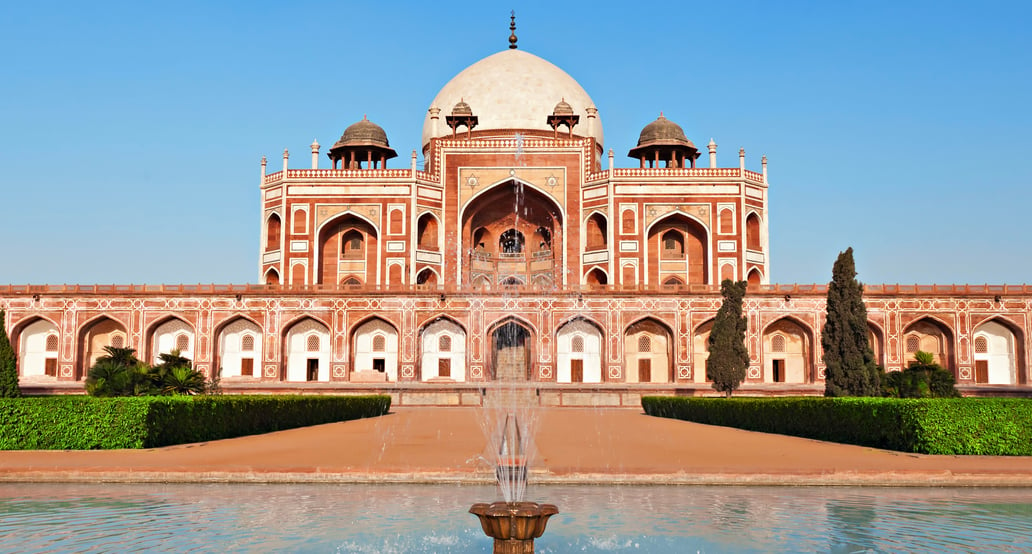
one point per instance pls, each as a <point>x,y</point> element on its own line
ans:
<point>923,379</point>
<point>982,426</point>
<point>85,423</point>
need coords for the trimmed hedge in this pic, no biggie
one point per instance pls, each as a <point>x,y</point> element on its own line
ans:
<point>969,426</point>
<point>87,423</point>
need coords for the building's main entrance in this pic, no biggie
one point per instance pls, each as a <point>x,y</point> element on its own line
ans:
<point>510,357</point>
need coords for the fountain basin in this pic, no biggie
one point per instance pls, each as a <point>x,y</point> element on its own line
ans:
<point>513,525</point>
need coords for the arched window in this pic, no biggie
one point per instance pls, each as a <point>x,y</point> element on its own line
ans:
<point>299,222</point>
<point>118,341</point>
<point>511,242</point>
<point>444,343</point>
<point>312,344</point>
<point>272,233</point>
<point>397,222</point>
<point>752,232</point>
<point>182,343</point>
<point>777,343</point>
<point>727,221</point>
<point>644,343</point>
<point>981,345</point>
<point>379,343</point>
<point>577,344</point>
<point>272,277</point>
<point>596,232</point>
<point>427,238</point>
<point>913,344</point>
<point>673,244</point>
<point>627,222</point>
<point>351,244</point>
<point>51,343</point>
<point>247,343</point>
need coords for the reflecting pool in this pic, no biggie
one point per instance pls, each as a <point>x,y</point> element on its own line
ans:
<point>434,518</point>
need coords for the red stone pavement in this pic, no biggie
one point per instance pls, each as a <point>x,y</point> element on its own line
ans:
<point>572,445</point>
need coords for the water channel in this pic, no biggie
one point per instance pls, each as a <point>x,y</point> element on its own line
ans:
<point>433,518</point>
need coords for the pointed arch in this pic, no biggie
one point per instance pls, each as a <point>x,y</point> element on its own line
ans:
<point>1002,360</point>
<point>95,334</point>
<point>272,277</point>
<point>299,362</point>
<point>347,243</point>
<point>788,351</point>
<point>755,277</point>
<point>649,351</point>
<point>596,277</point>
<point>579,343</point>
<point>428,277</point>
<point>374,341</point>
<point>36,344</point>
<point>753,240</point>
<point>231,357</point>
<point>876,340</point>
<point>437,362</point>
<point>700,349</point>
<point>273,231</point>
<point>929,334</point>
<point>161,335</point>
<point>512,352</point>
<point>678,237</point>
<point>596,231</point>
<point>428,232</point>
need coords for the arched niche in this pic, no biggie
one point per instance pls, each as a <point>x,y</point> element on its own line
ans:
<point>512,354</point>
<point>512,230</point>
<point>788,352</point>
<point>752,232</point>
<point>700,351</point>
<point>595,232</point>
<point>929,335</point>
<point>648,352</point>
<point>579,352</point>
<point>273,229</point>
<point>376,350</point>
<point>427,277</point>
<point>348,246</point>
<point>427,231</point>
<point>997,352</point>
<point>239,350</point>
<point>596,278</point>
<point>168,334</point>
<point>443,351</point>
<point>680,246</point>
<point>306,351</point>
<point>93,337</point>
<point>755,277</point>
<point>272,277</point>
<point>38,342</point>
<point>876,340</point>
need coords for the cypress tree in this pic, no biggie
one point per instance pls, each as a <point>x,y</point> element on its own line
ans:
<point>728,358</point>
<point>851,369</point>
<point>8,368</point>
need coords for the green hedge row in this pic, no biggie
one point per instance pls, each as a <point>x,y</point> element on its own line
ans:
<point>970,426</point>
<point>87,423</point>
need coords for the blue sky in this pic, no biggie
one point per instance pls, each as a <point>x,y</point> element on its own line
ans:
<point>130,133</point>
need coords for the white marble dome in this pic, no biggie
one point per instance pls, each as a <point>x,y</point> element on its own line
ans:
<point>512,89</point>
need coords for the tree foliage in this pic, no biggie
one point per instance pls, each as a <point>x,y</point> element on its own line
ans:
<point>851,369</point>
<point>728,358</point>
<point>120,373</point>
<point>923,379</point>
<point>8,363</point>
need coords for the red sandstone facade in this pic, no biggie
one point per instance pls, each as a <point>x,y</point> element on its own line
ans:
<point>517,253</point>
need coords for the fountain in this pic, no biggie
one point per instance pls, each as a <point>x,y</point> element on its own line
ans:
<point>513,523</point>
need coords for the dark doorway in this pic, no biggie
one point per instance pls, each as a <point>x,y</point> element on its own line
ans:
<point>778,367</point>
<point>379,364</point>
<point>313,369</point>
<point>510,355</point>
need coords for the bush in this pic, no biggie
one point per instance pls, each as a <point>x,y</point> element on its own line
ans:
<point>86,423</point>
<point>923,379</point>
<point>978,426</point>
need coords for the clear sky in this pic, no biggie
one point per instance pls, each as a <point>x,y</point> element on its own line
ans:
<point>131,133</point>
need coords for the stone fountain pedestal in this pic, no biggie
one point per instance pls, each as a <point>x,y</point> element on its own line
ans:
<point>513,525</point>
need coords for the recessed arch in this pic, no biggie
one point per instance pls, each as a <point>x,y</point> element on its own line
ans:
<point>233,358</point>
<point>755,277</point>
<point>700,350</point>
<point>512,352</point>
<point>335,257</point>
<point>579,343</point>
<point>788,351</point>
<point>876,340</point>
<point>299,361</point>
<point>272,276</point>
<point>694,248</point>
<point>95,334</point>
<point>753,240</point>
<point>36,341</point>
<point>1002,357</point>
<point>375,344</point>
<point>428,277</point>
<point>428,232</point>
<point>596,277</point>
<point>596,231</point>
<point>929,334</point>
<point>648,351</point>
<point>442,350</point>
<point>273,231</point>
<point>160,337</point>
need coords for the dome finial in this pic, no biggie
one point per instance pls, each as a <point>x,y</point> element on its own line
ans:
<point>512,29</point>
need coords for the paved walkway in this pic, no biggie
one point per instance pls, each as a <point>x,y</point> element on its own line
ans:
<point>573,445</point>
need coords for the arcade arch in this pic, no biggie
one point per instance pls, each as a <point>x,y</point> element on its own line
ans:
<point>680,243</point>
<point>38,344</point>
<point>94,336</point>
<point>700,351</point>
<point>306,351</point>
<point>579,352</point>
<point>239,349</point>
<point>348,246</point>
<point>170,334</point>
<point>788,352</point>
<point>648,352</point>
<point>443,355</point>
<point>996,350</point>
<point>929,335</point>
<point>376,348</point>
<point>511,352</point>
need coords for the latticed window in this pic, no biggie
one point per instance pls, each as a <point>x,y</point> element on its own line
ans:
<point>313,343</point>
<point>182,343</point>
<point>577,344</point>
<point>118,341</point>
<point>644,343</point>
<point>379,343</point>
<point>913,344</point>
<point>51,343</point>
<point>247,343</point>
<point>443,343</point>
<point>981,345</point>
<point>777,344</point>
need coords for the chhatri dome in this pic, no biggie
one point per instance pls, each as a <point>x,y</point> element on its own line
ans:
<point>515,90</point>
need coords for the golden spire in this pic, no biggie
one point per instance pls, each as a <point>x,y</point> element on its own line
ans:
<point>512,29</point>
